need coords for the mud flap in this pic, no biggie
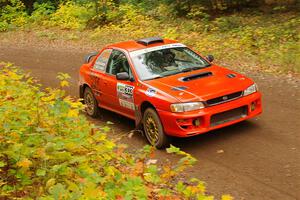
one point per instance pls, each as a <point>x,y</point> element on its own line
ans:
<point>138,118</point>
<point>81,93</point>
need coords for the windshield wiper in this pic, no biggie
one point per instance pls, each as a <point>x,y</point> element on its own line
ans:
<point>190,69</point>
<point>186,69</point>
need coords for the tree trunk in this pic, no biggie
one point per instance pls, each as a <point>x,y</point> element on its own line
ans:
<point>29,5</point>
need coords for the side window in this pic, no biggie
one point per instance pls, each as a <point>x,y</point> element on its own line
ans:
<point>118,63</point>
<point>102,60</point>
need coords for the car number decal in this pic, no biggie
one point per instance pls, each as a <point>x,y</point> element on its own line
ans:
<point>125,95</point>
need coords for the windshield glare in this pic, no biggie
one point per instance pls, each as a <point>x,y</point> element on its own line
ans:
<point>166,62</point>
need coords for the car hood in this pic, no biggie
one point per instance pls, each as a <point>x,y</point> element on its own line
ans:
<point>201,85</point>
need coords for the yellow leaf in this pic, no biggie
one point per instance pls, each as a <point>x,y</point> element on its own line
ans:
<point>72,113</point>
<point>24,163</point>
<point>50,182</point>
<point>40,152</point>
<point>227,197</point>
<point>64,83</point>
<point>91,191</point>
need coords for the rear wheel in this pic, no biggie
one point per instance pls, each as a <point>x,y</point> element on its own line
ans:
<point>90,102</point>
<point>154,130</point>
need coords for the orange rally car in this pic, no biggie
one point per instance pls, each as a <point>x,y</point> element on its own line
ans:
<point>167,88</point>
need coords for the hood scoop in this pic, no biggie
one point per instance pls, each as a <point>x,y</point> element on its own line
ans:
<point>195,76</point>
<point>231,75</point>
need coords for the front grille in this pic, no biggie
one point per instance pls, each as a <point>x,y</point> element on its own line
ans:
<point>224,98</point>
<point>228,116</point>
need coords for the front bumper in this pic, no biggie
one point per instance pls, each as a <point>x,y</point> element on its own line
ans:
<point>204,120</point>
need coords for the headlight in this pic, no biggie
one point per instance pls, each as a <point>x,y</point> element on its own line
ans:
<point>184,107</point>
<point>250,90</point>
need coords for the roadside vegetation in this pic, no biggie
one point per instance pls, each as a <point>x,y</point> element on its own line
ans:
<point>255,35</point>
<point>48,150</point>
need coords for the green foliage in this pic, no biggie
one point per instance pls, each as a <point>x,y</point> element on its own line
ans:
<point>225,24</point>
<point>41,12</point>
<point>268,40</point>
<point>48,150</point>
<point>13,15</point>
<point>198,12</point>
<point>264,41</point>
<point>3,26</point>
<point>71,16</point>
<point>126,21</point>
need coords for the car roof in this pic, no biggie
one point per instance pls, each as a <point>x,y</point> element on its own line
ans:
<point>134,45</point>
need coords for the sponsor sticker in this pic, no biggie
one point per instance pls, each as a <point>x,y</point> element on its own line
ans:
<point>151,92</point>
<point>126,104</point>
<point>146,50</point>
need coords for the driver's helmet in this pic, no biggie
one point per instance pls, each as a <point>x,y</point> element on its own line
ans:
<point>169,57</point>
<point>156,59</point>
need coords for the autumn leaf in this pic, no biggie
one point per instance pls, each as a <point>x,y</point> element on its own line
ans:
<point>50,182</point>
<point>227,197</point>
<point>25,163</point>
<point>64,83</point>
<point>72,113</point>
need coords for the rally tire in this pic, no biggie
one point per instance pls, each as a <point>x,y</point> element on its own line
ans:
<point>153,129</point>
<point>90,102</point>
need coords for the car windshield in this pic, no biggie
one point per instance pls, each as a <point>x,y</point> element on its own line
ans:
<point>156,62</point>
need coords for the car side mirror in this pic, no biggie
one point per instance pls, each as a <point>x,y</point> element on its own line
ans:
<point>210,58</point>
<point>122,76</point>
<point>88,57</point>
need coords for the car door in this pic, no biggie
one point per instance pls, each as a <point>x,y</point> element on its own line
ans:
<point>97,72</point>
<point>118,95</point>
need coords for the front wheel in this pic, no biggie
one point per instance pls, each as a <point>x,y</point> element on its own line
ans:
<point>154,130</point>
<point>90,102</point>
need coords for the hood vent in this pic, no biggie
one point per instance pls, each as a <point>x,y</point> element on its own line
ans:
<point>231,75</point>
<point>196,76</point>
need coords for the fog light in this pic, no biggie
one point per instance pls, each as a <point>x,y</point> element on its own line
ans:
<point>196,122</point>
<point>253,106</point>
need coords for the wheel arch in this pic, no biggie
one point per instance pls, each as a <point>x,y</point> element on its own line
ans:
<point>81,90</point>
<point>140,112</point>
<point>145,105</point>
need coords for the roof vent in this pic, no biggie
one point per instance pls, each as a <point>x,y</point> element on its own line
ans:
<point>151,40</point>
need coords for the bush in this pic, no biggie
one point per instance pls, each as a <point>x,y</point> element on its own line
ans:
<point>48,150</point>
<point>42,12</point>
<point>72,16</point>
<point>228,23</point>
<point>126,21</point>
<point>3,26</point>
<point>13,15</point>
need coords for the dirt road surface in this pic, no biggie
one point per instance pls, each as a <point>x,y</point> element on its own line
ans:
<point>256,159</point>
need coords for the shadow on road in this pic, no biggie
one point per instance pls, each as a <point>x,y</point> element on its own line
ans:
<point>215,136</point>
